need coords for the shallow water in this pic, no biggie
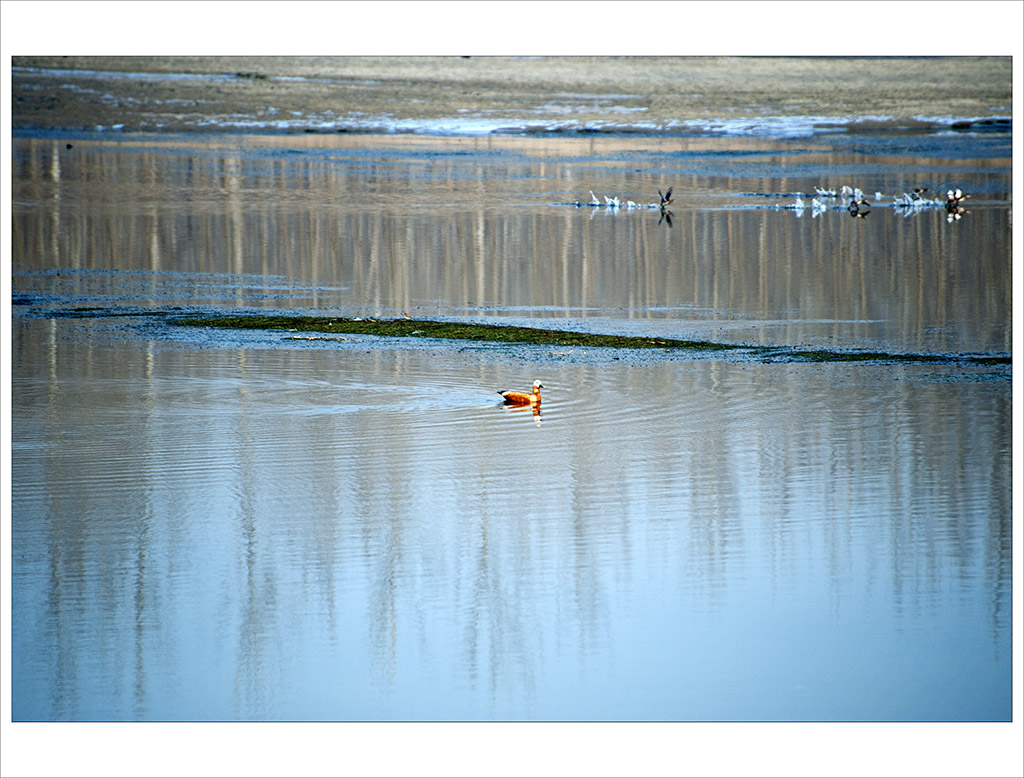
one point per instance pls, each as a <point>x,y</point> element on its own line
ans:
<point>380,225</point>
<point>212,525</point>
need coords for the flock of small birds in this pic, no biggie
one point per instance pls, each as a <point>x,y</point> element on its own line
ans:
<point>614,204</point>
<point>858,206</point>
<point>854,201</point>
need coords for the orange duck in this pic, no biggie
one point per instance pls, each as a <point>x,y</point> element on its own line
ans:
<point>524,398</point>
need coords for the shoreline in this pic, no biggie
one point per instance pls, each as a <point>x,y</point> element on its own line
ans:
<point>669,96</point>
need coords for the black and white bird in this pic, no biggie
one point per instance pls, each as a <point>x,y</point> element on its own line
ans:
<point>954,196</point>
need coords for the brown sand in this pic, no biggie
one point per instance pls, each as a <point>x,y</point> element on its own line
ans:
<point>652,90</point>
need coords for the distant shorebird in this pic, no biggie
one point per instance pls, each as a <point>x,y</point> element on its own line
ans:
<point>954,196</point>
<point>954,210</point>
<point>666,214</point>
<point>524,398</point>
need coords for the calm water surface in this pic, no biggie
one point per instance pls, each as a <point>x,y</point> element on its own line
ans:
<point>250,526</point>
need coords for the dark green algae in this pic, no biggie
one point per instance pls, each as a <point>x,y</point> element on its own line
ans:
<point>500,333</point>
<point>447,330</point>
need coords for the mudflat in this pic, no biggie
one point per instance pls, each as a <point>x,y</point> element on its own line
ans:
<point>621,93</point>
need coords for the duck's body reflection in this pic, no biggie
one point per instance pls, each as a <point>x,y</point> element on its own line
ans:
<point>509,408</point>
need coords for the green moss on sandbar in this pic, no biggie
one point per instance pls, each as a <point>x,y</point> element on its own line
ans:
<point>500,333</point>
<point>426,328</point>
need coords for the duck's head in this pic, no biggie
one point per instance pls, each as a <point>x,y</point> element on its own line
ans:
<point>537,385</point>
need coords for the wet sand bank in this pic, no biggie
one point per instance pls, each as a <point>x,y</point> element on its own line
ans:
<point>492,94</point>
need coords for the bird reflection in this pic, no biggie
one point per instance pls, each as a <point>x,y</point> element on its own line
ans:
<point>859,209</point>
<point>666,200</point>
<point>510,408</point>
<point>954,213</point>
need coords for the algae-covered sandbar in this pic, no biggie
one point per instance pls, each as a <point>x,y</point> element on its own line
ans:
<point>501,333</point>
<point>449,330</point>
